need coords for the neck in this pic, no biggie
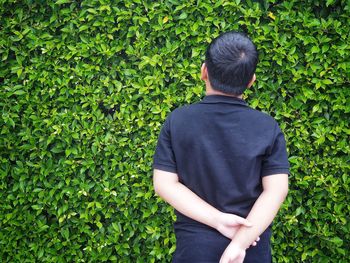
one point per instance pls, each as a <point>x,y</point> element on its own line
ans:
<point>211,91</point>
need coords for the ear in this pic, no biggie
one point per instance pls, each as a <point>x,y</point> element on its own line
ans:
<point>204,72</point>
<point>251,82</point>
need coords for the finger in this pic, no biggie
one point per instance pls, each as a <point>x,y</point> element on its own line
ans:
<point>223,259</point>
<point>243,221</point>
<point>258,239</point>
<point>254,244</point>
<point>240,260</point>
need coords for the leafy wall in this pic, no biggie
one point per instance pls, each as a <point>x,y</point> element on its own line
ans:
<point>86,85</point>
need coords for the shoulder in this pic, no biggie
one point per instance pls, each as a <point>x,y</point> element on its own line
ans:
<point>184,110</point>
<point>261,117</point>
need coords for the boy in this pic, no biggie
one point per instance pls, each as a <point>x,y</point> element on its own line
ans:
<point>222,165</point>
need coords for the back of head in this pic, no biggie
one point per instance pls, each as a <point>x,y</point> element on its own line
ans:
<point>231,61</point>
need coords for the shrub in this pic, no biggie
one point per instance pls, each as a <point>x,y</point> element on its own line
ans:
<point>86,85</point>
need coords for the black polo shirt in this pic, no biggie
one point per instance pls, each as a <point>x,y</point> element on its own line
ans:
<point>221,148</point>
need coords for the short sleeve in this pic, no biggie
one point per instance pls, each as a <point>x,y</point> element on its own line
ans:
<point>276,159</point>
<point>164,158</point>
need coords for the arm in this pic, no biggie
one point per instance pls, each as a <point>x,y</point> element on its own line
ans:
<point>168,187</point>
<point>275,189</point>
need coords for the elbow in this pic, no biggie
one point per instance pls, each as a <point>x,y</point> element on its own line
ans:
<point>159,187</point>
<point>163,183</point>
<point>284,191</point>
<point>156,183</point>
<point>161,190</point>
<point>278,194</point>
<point>157,191</point>
<point>276,185</point>
<point>278,191</point>
<point>156,188</point>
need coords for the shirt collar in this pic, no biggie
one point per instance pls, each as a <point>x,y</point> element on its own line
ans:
<point>223,99</point>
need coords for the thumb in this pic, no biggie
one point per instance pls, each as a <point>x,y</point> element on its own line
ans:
<point>243,221</point>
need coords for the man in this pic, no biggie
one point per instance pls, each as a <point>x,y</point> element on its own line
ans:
<point>222,165</point>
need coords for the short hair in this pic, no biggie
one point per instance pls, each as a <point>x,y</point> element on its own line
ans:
<point>231,61</point>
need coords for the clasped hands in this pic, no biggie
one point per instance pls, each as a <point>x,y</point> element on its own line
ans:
<point>228,225</point>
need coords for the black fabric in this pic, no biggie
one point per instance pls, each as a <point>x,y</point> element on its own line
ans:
<point>207,246</point>
<point>220,148</point>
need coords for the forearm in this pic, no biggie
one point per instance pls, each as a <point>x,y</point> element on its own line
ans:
<point>188,203</point>
<point>168,187</point>
<point>261,216</point>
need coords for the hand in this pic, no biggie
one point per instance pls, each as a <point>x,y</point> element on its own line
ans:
<point>255,242</point>
<point>233,254</point>
<point>228,225</point>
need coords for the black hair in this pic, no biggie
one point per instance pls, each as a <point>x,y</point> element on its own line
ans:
<point>231,60</point>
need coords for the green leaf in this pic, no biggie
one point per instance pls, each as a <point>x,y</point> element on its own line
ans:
<point>329,2</point>
<point>337,241</point>
<point>61,2</point>
<point>183,16</point>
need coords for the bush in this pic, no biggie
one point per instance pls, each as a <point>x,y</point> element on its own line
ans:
<point>86,85</point>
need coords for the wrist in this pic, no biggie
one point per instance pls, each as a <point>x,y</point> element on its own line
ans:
<point>216,220</point>
<point>239,244</point>
<point>241,241</point>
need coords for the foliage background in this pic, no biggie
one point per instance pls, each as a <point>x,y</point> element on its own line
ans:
<point>86,85</point>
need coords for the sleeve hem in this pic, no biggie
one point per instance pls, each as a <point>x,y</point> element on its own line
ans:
<point>272,171</point>
<point>165,167</point>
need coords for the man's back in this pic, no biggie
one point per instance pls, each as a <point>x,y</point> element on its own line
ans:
<point>222,165</point>
<point>220,148</point>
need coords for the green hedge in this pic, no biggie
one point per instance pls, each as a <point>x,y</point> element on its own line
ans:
<point>86,85</point>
